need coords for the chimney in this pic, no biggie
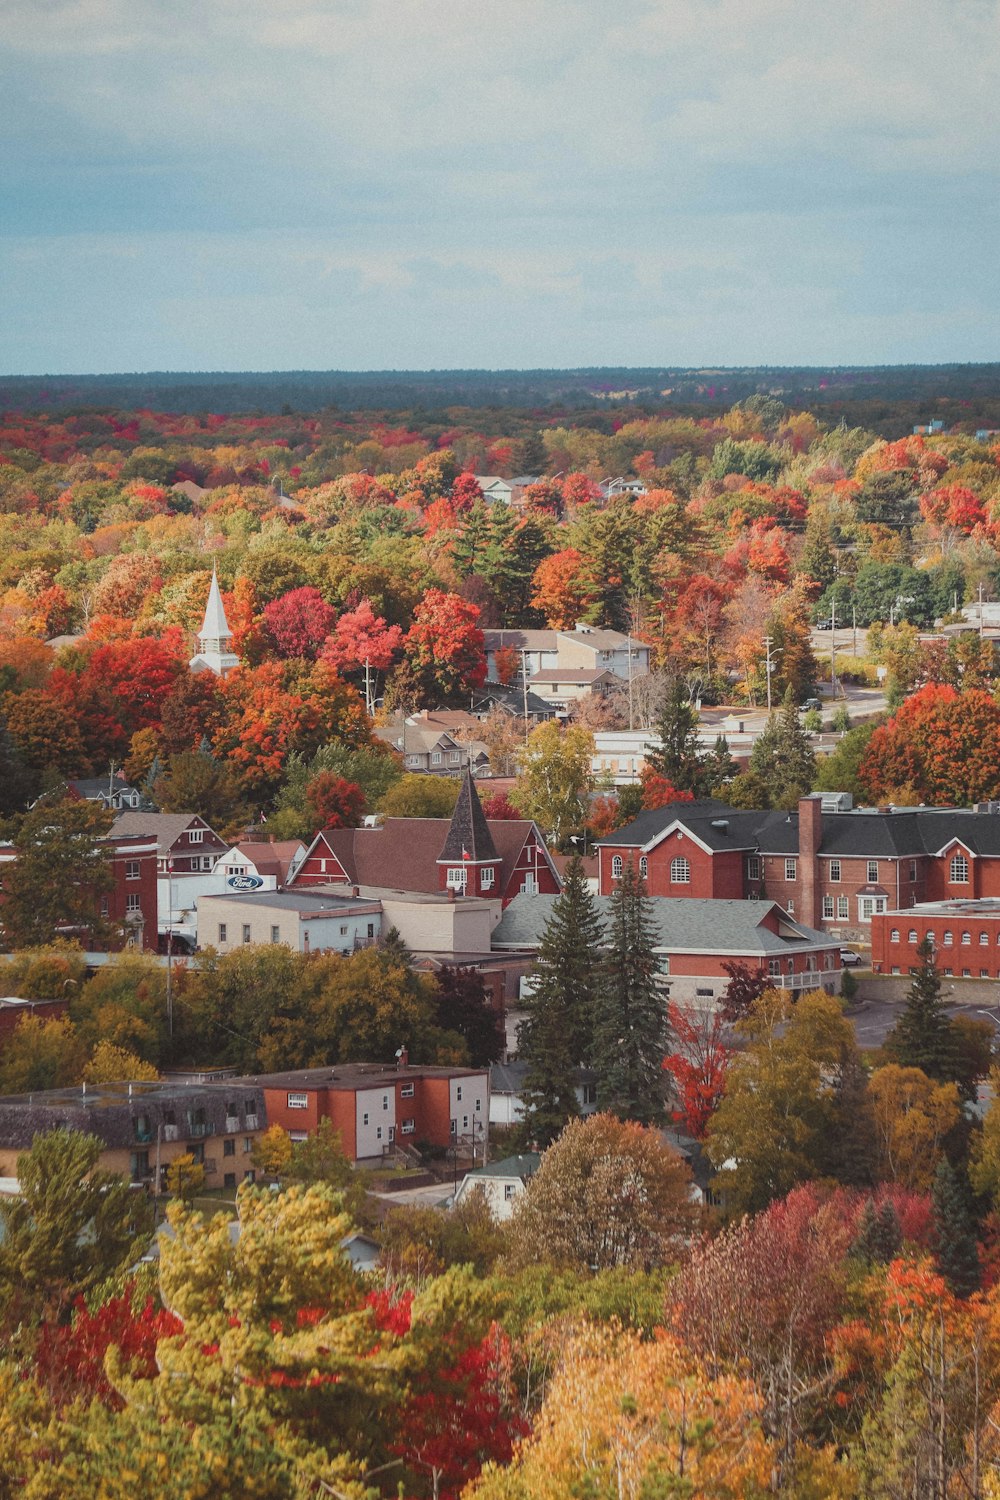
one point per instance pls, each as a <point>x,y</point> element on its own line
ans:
<point>451,893</point>
<point>807,907</point>
<point>403,1058</point>
<point>355,891</point>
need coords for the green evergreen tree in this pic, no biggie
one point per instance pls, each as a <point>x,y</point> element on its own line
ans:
<point>557,1035</point>
<point>676,756</point>
<point>631,1033</point>
<point>924,1037</point>
<point>957,1249</point>
<point>720,768</point>
<point>879,1237</point>
<point>850,1139</point>
<point>783,757</point>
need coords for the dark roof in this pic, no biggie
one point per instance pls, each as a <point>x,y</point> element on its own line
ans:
<point>352,1076</point>
<point>867,833</point>
<point>469,834</point>
<point>511,1166</point>
<point>679,925</point>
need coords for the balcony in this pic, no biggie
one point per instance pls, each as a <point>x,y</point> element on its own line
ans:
<point>232,1124</point>
<point>252,1122</point>
<point>171,1132</point>
<point>197,1129</point>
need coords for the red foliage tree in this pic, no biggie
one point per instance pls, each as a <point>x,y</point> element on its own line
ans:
<point>657,791</point>
<point>332,802</point>
<point>507,664</point>
<point>698,1066</point>
<point>299,622</point>
<point>69,1362</point>
<point>359,636</point>
<point>445,644</point>
<point>943,744</point>
<point>500,808</point>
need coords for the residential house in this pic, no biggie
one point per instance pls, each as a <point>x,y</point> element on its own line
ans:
<point>829,867</point>
<point>496,491</point>
<point>694,940</point>
<point>502,1183</point>
<point>305,921</point>
<point>440,742</point>
<point>374,1107</point>
<point>583,648</point>
<point>110,791</point>
<point>507,1092</point>
<point>564,686</point>
<point>187,852</point>
<point>130,905</point>
<point>965,936</point>
<point>142,1127</point>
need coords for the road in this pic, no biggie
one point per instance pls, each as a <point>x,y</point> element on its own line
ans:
<point>874,1019</point>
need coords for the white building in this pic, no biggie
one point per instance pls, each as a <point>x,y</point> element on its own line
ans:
<point>215,637</point>
<point>305,921</point>
<point>502,1182</point>
<point>583,648</point>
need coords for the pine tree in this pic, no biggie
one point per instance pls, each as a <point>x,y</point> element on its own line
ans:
<point>632,1031</point>
<point>783,756</point>
<point>557,1035</point>
<point>924,1037</point>
<point>850,1141</point>
<point>879,1237</point>
<point>676,756</point>
<point>957,1249</point>
<point>720,767</point>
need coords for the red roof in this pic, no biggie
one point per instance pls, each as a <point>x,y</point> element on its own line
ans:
<point>403,853</point>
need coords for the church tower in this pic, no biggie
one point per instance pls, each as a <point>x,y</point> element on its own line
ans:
<point>469,863</point>
<point>214,637</point>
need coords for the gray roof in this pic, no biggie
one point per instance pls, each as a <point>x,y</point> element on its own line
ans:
<point>680,925</point>
<point>508,1078</point>
<point>166,827</point>
<point>511,1166</point>
<point>298,900</point>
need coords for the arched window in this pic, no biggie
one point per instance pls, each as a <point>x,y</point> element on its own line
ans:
<point>616,867</point>
<point>680,872</point>
<point>643,867</point>
<point>912,935</point>
<point>966,939</point>
<point>959,869</point>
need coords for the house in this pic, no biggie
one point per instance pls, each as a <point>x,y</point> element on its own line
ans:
<point>502,1182</point>
<point>130,905</point>
<point>215,652</point>
<point>441,743</point>
<point>829,867</point>
<point>693,940</point>
<point>495,490</point>
<point>584,648</point>
<point>562,686</point>
<point>507,1092</point>
<point>611,489</point>
<point>373,1106</point>
<point>265,864</point>
<point>142,1127</point>
<point>110,791</point>
<point>516,700</point>
<point>965,936</point>
<point>187,851</point>
<point>13,1009</point>
<point>467,854</point>
<point>305,921</point>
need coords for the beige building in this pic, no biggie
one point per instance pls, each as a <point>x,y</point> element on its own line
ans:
<point>305,921</point>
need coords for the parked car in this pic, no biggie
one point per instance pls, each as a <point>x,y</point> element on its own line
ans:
<point>823,625</point>
<point>812,703</point>
<point>850,959</point>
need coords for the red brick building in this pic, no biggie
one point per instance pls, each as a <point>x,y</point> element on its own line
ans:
<point>965,935</point>
<point>831,869</point>
<point>130,904</point>
<point>467,854</point>
<point>373,1107</point>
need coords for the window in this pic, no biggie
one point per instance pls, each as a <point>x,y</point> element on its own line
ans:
<point>791,966</point>
<point>465,1122</point>
<point>529,886</point>
<point>229,1180</point>
<point>959,869</point>
<point>872,871</point>
<point>409,1126</point>
<point>616,867</point>
<point>436,758</point>
<point>984,940</point>
<point>753,867</point>
<point>589,1091</point>
<point>298,1101</point>
<point>948,938</point>
<point>454,757</point>
<point>229,1148</point>
<point>835,870</point>
<point>479,1106</point>
<point>774,967</point>
<point>133,905</point>
<point>486,877</point>
<point>913,869</point>
<point>894,935</point>
<point>105,906</point>
<point>206,862</point>
<point>196,835</point>
<point>984,973</point>
<point>247,1144</point>
<point>827,906</point>
<point>343,930</point>
<point>453,1128</point>
<point>643,867</point>
<point>132,870</point>
<point>364,1118</point>
<point>275,934</point>
<point>790,865</point>
<point>509,1189</point>
<point>950,973</point>
<point>966,939</point>
<point>385,1101</point>
<point>870,906</point>
<point>222,932</point>
<point>378,1132</point>
<point>406,1091</point>
<point>966,973</point>
<point>911,936</point>
<point>456,878</point>
<point>246,932</point>
<point>790,908</point>
<point>843,909</point>
<point>458,1093</point>
<point>250,1176</point>
<point>680,872</point>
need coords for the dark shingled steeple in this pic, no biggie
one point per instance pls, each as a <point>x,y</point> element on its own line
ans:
<point>469,836</point>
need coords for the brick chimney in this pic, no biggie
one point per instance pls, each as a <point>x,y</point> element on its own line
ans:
<point>807,909</point>
<point>403,1058</point>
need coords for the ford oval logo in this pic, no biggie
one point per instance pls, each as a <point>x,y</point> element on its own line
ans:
<point>245,882</point>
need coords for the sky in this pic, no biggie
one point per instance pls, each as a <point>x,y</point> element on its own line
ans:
<point>415,184</point>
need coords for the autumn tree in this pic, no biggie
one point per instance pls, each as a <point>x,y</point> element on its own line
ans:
<point>556,1035</point>
<point>41,1053</point>
<point>555,778</point>
<point>913,1117</point>
<point>197,781</point>
<point>697,1066</point>
<point>112,1064</point>
<point>941,744</point>
<point>332,802</point>
<point>185,1177</point>
<point>298,622</point>
<point>607,1193</point>
<point>420,796</point>
<point>444,645</point>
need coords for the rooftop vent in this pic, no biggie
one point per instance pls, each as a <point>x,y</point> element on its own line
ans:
<point>722,824</point>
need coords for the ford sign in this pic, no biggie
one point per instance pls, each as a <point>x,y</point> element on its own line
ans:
<point>245,882</point>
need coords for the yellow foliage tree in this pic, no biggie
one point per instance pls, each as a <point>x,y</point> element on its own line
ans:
<point>272,1151</point>
<point>185,1177</point>
<point>111,1064</point>
<point>912,1114</point>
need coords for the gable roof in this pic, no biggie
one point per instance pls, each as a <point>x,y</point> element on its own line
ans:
<point>468,834</point>
<point>512,1167</point>
<point>167,828</point>
<point>270,858</point>
<point>403,854</point>
<point>679,924</point>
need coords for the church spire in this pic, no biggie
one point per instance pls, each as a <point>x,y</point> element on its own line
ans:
<point>214,638</point>
<point>215,626</point>
<point>469,838</point>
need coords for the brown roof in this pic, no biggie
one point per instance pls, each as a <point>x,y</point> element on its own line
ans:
<point>353,1076</point>
<point>403,853</point>
<point>271,857</point>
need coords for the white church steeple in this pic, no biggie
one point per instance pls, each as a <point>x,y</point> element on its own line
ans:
<point>214,637</point>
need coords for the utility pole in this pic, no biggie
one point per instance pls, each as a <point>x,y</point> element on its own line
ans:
<point>524,690</point>
<point>833,650</point>
<point>768,664</point>
<point>980,611</point>
<point>854,624</point>
<point>170,950</point>
<point>631,715</point>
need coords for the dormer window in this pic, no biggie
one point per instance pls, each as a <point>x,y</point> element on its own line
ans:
<point>457,878</point>
<point>196,835</point>
<point>486,878</point>
<point>959,869</point>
